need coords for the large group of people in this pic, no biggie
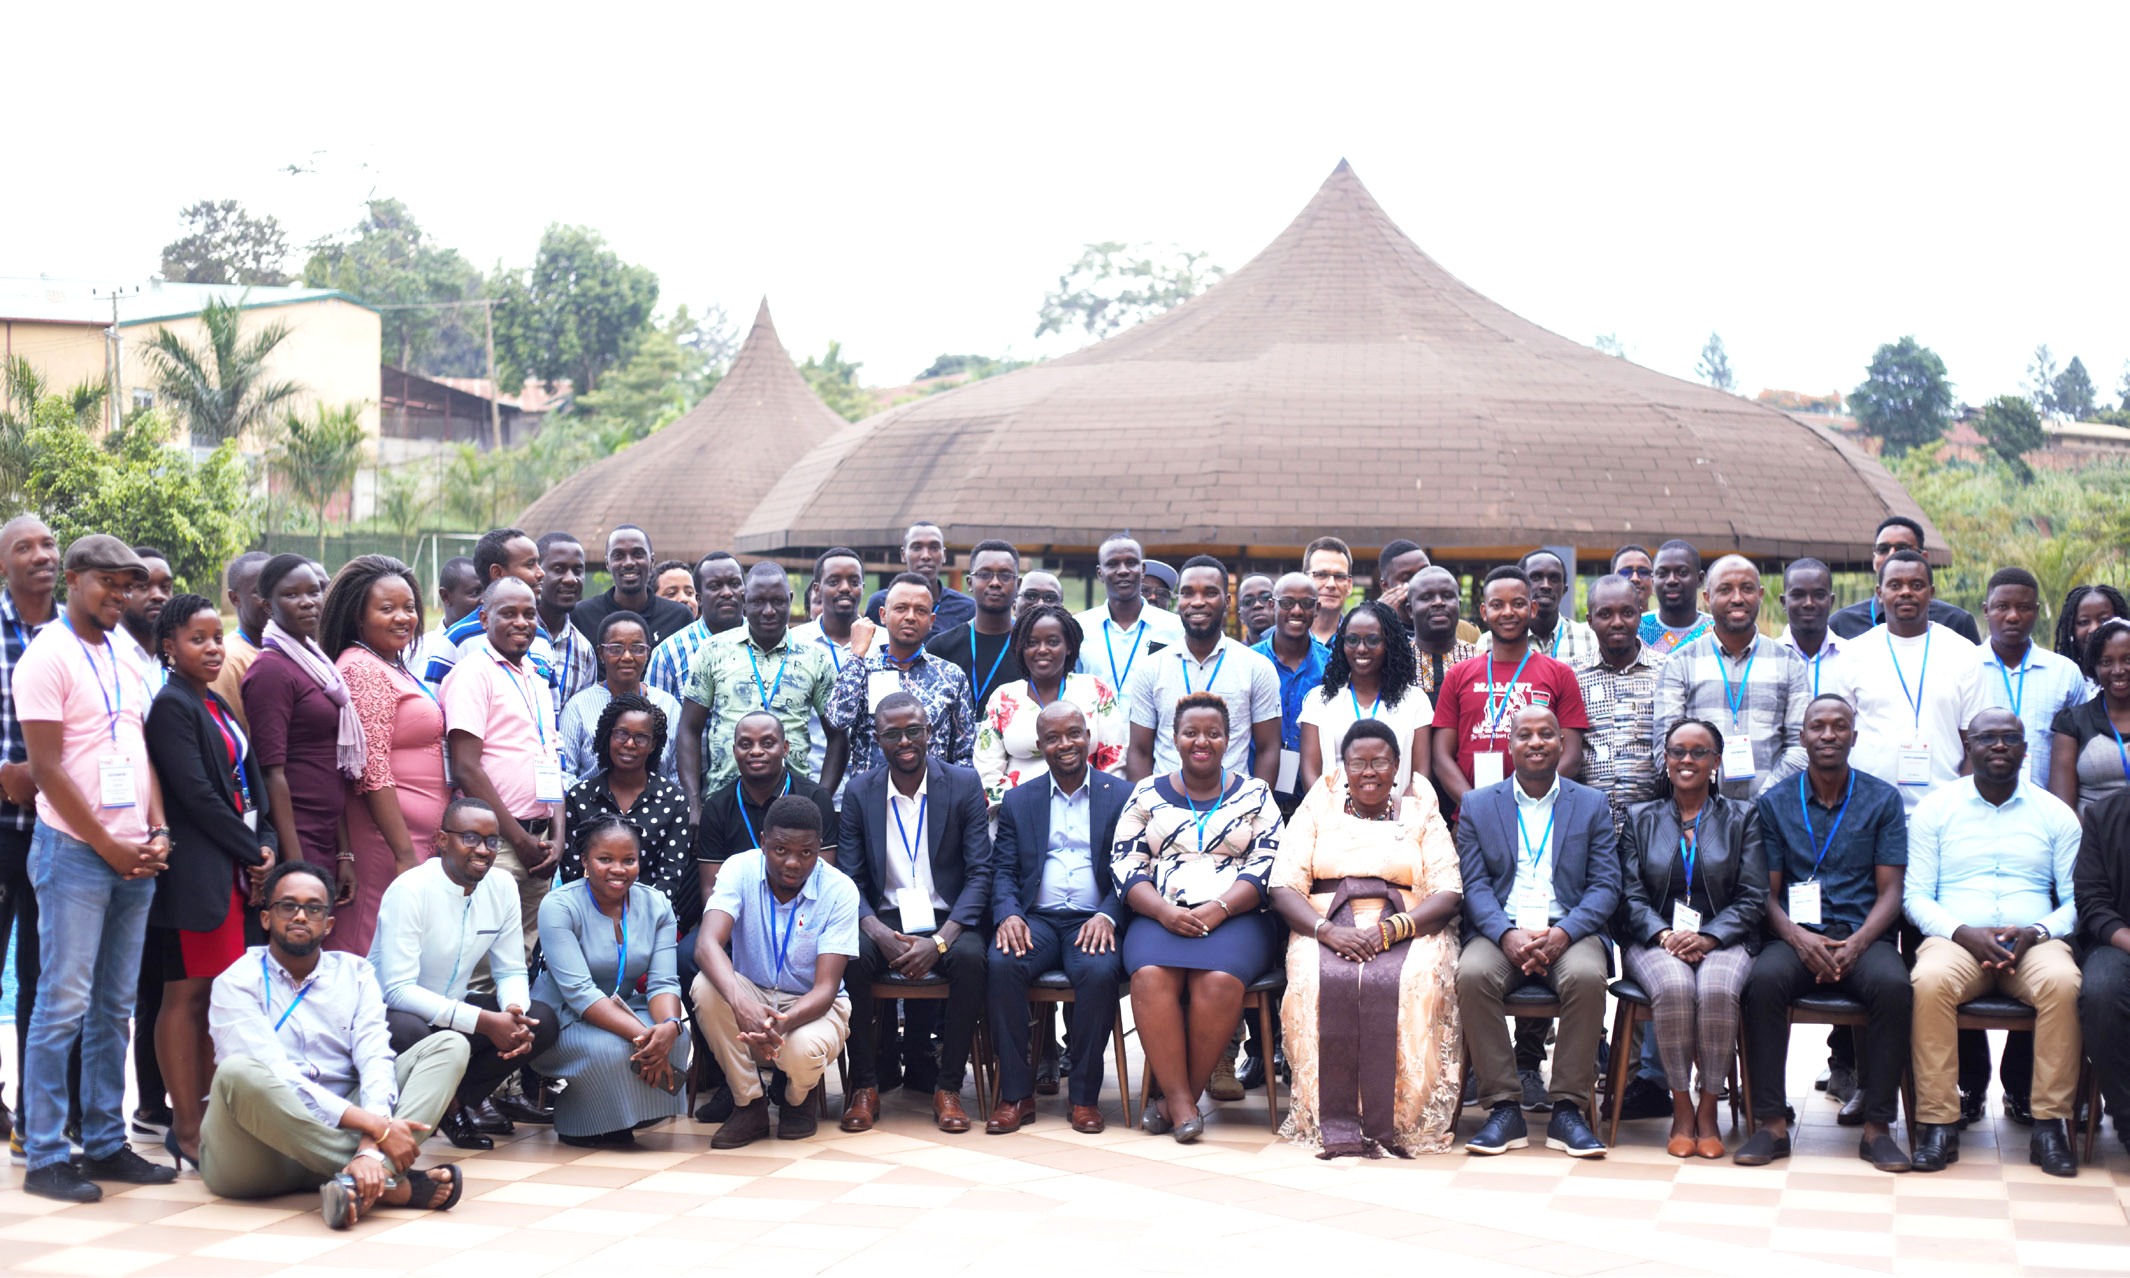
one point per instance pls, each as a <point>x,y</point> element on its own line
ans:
<point>343,881</point>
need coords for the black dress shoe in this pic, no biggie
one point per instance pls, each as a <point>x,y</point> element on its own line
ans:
<point>62,1181</point>
<point>1971,1106</point>
<point>1761,1148</point>
<point>1883,1152</point>
<point>1252,1073</point>
<point>1937,1147</point>
<point>1826,1076</point>
<point>2050,1148</point>
<point>1642,1099</point>
<point>486,1119</point>
<point>457,1127</point>
<point>1852,1111</point>
<point>1504,1130</point>
<point>1570,1133</point>
<point>2020,1109</point>
<point>524,1109</point>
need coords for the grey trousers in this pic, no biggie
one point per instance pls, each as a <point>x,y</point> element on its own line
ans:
<point>259,1138</point>
<point>1695,1009</point>
<point>1484,978</point>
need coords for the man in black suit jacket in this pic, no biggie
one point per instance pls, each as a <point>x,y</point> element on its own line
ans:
<point>923,873</point>
<point>1057,907</point>
<point>1541,881</point>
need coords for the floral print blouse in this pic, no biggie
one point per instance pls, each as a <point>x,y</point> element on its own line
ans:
<point>1006,753</point>
<point>1190,853</point>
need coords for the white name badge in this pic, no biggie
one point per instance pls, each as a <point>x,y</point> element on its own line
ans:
<point>1488,768</point>
<point>878,684</point>
<point>251,820</point>
<point>115,783</point>
<point>1531,913</point>
<point>1737,756</point>
<point>1804,903</point>
<point>547,781</point>
<point>1290,770</point>
<point>1684,917</point>
<point>1911,765</point>
<point>915,907</point>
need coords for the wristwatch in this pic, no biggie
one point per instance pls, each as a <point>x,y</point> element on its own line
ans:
<point>940,941</point>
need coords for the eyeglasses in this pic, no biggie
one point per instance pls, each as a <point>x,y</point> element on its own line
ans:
<point>993,577</point>
<point>1255,599</point>
<point>622,736</point>
<point>1372,767</point>
<point>470,840</point>
<point>286,909</point>
<point>1637,573</point>
<point>893,736</point>
<point>1988,739</point>
<point>1033,597</point>
<point>625,649</point>
<point>1367,643</point>
<point>1295,605</point>
<point>1680,754</point>
<point>1323,575</point>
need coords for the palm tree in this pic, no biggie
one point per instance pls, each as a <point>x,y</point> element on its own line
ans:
<point>220,390</point>
<point>403,501</point>
<point>318,457</point>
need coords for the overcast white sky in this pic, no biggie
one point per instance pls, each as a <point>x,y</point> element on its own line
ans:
<point>1809,180</point>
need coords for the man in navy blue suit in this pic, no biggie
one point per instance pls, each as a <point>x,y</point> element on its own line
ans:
<point>923,873</point>
<point>1056,907</point>
<point>1541,880</point>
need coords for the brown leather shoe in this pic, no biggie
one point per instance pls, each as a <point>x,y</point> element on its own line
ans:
<point>861,1109</point>
<point>947,1112</point>
<point>1087,1120</point>
<point>1008,1117</point>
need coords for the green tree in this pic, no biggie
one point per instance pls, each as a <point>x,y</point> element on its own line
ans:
<point>317,457</point>
<point>220,390</point>
<point>835,380</point>
<point>25,404</point>
<point>1905,398</point>
<point>223,244</point>
<point>2041,377</point>
<point>2066,527</point>
<point>1715,365</point>
<point>2012,426</point>
<point>404,501</point>
<point>2073,391</point>
<point>1115,285</point>
<point>386,260</point>
<point>676,364</point>
<point>578,311</point>
<point>138,489</point>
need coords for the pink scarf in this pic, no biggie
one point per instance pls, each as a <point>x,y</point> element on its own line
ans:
<point>348,753</point>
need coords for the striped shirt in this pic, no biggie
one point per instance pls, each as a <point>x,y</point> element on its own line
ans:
<point>12,645</point>
<point>1769,685</point>
<point>1619,754</point>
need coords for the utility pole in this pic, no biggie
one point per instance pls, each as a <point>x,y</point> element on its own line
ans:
<point>495,389</point>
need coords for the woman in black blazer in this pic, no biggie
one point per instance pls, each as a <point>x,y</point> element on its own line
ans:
<point>221,846</point>
<point>1689,925</point>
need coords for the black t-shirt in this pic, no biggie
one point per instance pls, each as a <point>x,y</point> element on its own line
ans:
<point>666,617</point>
<point>731,822</point>
<point>991,650</point>
<point>1859,617</point>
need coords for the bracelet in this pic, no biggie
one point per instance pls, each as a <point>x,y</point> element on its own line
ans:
<point>1225,911</point>
<point>1318,930</point>
<point>348,857</point>
<point>940,941</point>
<point>1383,930</point>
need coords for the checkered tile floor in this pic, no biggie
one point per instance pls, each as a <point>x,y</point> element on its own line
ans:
<point>905,1199</point>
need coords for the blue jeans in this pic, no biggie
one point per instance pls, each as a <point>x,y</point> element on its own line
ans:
<point>90,927</point>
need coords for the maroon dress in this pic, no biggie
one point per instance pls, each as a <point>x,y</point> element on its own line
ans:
<point>295,726</point>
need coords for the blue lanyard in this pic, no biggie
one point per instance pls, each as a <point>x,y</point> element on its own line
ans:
<point>1545,841</point>
<point>768,692</point>
<point>266,995</point>
<point>234,737</point>
<point>1117,680</point>
<point>2019,698</point>
<point>835,654</point>
<point>1212,805</point>
<point>780,947</point>
<point>1915,699</point>
<point>1820,850</point>
<point>1357,703</point>
<point>1736,700</point>
<point>1185,658</point>
<point>115,697</point>
<point>1818,657</point>
<point>1495,705</point>
<point>739,799</point>
<point>909,849</point>
<point>621,950</point>
<point>985,686</point>
<point>2122,753</point>
<point>1690,850</point>
<point>539,724</point>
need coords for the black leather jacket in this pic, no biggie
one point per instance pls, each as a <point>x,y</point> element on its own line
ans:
<point>1730,871</point>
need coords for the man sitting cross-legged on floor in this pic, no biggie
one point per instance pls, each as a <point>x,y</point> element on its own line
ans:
<point>306,1089</point>
<point>791,920</point>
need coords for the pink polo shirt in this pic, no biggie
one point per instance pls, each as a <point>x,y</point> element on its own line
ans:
<point>99,696</point>
<point>511,710</point>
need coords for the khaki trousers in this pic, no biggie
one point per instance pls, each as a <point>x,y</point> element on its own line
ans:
<point>531,891</point>
<point>259,1139</point>
<point>805,1056</point>
<point>1484,978</point>
<point>1946,975</point>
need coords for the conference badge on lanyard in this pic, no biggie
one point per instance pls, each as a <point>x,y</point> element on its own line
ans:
<point>913,903</point>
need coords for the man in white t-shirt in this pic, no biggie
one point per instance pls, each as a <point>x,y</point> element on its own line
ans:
<point>1118,636</point>
<point>1206,661</point>
<point>1914,683</point>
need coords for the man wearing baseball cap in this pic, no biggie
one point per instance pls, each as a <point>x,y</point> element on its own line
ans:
<point>98,845</point>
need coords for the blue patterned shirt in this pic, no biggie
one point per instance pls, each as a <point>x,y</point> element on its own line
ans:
<point>939,686</point>
<point>12,645</point>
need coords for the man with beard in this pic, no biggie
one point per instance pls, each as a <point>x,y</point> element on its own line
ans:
<point>924,552</point>
<point>840,629</point>
<point>1751,687</point>
<point>151,1117</point>
<point>1895,533</point>
<point>628,561</point>
<point>1555,630</point>
<point>721,594</point>
<point>1432,608</point>
<point>1299,660</point>
<point>1208,660</point>
<point>561,589</point>
<point>1128,627</point>
<point>759,667</point>
<point>500,553</point>
<point>982,645</point>
<point>1807,599</point>
<point>307,1092</point>
<point>143,606</point>
<point>439,922</point>
<point>1678,619</point>
<point>1914,684</point>
<point>899,665</point>
<point>1619,684</point>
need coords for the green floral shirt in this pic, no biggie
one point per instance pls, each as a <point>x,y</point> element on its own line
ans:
<point>732,678</point>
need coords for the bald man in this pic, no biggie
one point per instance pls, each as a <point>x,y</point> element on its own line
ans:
<point>1753,688</point>
<point>30,556</point>
<point>1300,661</point>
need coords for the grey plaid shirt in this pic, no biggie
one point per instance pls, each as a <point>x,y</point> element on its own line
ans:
<point>1772,684</point>
<point>12,645</point>
<point>1618,758</point>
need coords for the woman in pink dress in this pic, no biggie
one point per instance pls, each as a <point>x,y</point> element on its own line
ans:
<point>373,617</point>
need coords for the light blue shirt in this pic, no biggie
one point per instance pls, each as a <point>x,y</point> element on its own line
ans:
<point>826,921</point>
<point>1533,817</point>
<point>2042,685</point>
<point>1069,863</point>
<point>1973,863</point>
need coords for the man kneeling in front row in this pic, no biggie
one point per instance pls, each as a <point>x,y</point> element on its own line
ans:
<point>791,921</point>
<point>307,1092</point>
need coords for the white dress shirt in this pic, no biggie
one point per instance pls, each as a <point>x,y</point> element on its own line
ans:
<point>432,934</point>
<point>331,1043</point>
<point>905,870</point>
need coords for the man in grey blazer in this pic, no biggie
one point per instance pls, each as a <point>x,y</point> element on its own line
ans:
<point>1541,879</point>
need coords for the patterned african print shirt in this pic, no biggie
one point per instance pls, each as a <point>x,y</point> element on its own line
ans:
<point>1618,760</point>
<point>1432,667</point>
<point>939,686</point>
<point>732,678</point>
<point>1192,854</point>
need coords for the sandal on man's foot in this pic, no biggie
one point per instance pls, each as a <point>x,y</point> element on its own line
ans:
<point>339,1203</point>
<point>423,1187</point>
